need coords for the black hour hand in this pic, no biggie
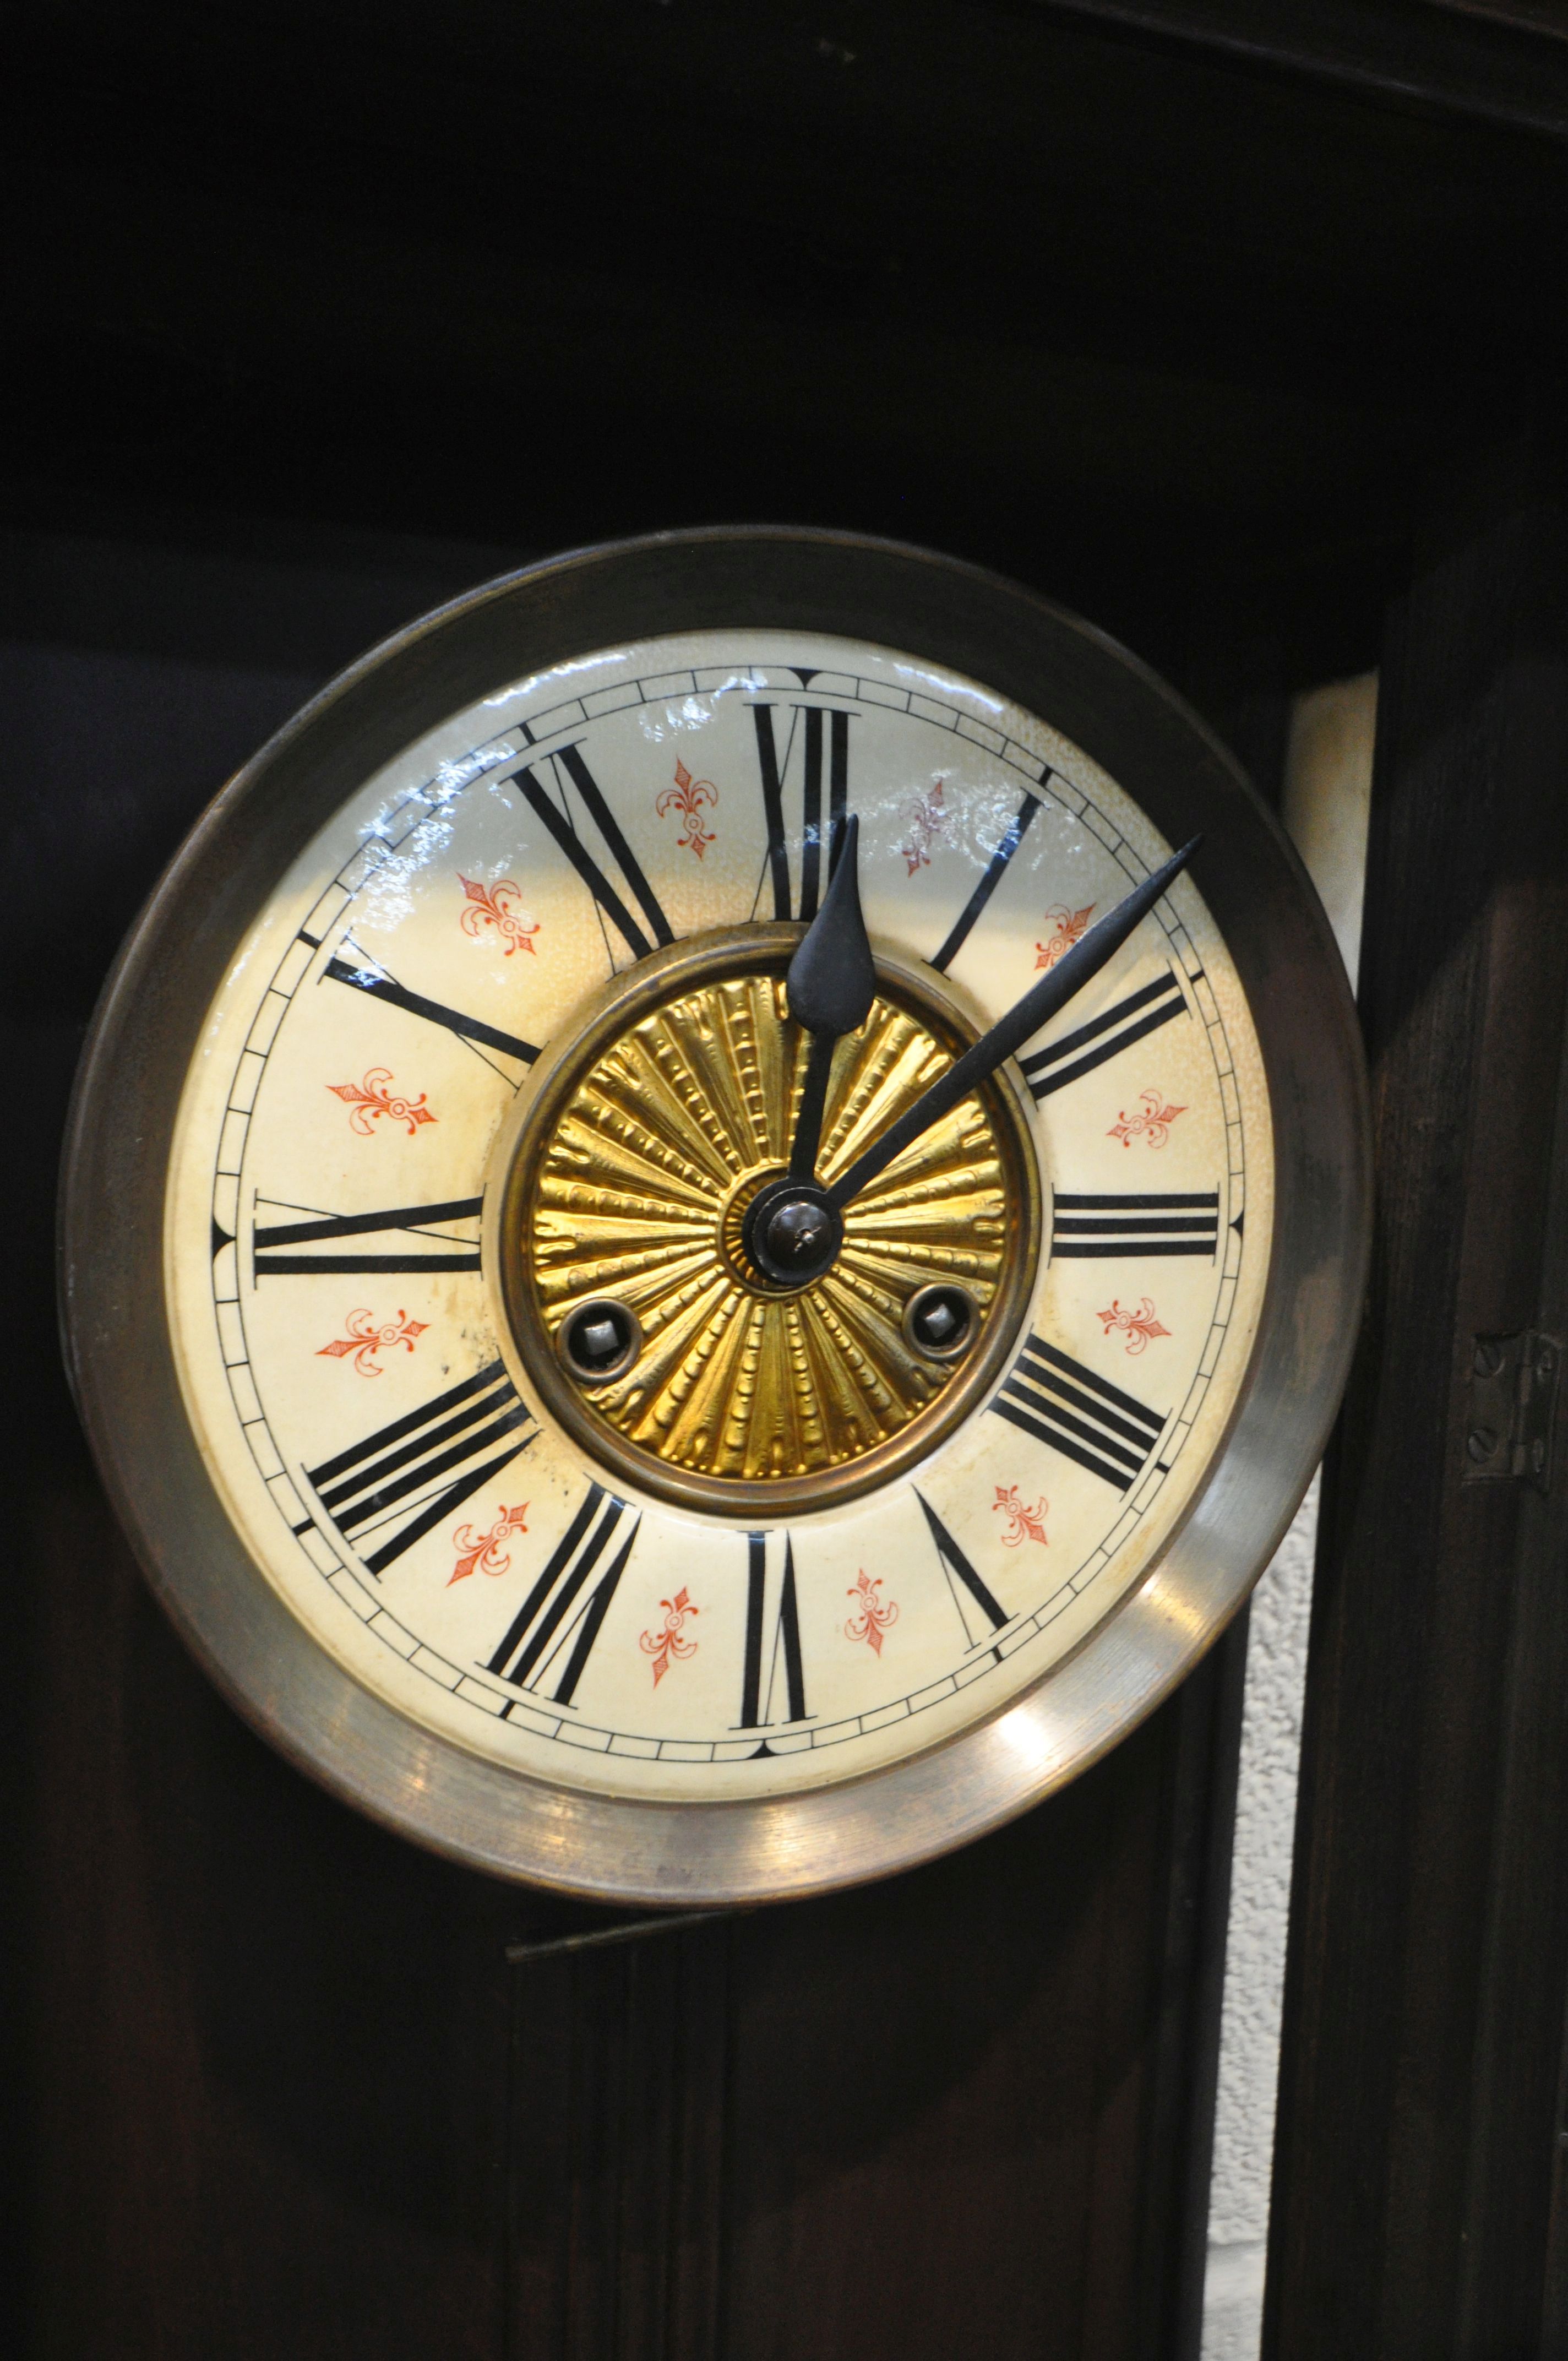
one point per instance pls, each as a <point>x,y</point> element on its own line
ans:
<point>832,984</point>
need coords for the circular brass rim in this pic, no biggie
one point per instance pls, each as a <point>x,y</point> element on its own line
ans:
<point>523,1320</point>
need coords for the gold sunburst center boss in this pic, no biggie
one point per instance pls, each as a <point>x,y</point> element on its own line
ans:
<point>628,1180</point>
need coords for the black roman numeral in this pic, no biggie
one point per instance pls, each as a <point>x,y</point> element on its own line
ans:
<point>1187,1223</point>
<point>550,1638</point>
<point>1076,1053</point>
<point>1058,1401</point>
<point>365,976</point>
<point>814,835</point>
<point>988,884</point>
<point>639,941</point>
<point>276,1246</point>
<point>383,1485</point>
<point>962,1579</point>
<point>771,1673</point>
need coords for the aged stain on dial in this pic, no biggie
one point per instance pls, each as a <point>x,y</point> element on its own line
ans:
<point>629,1183</point>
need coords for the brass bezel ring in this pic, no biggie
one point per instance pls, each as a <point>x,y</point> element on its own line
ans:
<point>526,1338</point>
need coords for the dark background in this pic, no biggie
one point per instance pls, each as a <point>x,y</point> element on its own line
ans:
<point>1191,316</point>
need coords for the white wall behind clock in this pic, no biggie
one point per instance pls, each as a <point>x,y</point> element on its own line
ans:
<point>1328,787</point>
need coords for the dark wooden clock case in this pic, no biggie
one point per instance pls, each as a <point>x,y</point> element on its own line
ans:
<point>1237,328</point>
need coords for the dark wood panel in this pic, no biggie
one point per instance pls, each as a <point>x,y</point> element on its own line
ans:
<point>965,2109</point>
<point>1501,58</point>
<point>619,2067</point>
<point>1003,277</point>
<point>267,2042</point>
<point>1430,1947</point>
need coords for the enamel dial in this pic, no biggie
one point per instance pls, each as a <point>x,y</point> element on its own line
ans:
<point>783,1547</point>
<point>545,1408</point>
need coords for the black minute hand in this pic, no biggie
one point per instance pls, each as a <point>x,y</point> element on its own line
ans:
<point>832,984</point>
<point>1009,1032</point>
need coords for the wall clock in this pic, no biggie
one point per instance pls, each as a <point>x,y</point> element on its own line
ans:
<point>581,1377</point>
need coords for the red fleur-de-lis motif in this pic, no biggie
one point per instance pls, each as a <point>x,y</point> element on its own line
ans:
<point>687,797</point>
<point>667,1644</point>
<point>1069,924</point>
<point>1153,1125</point>
<point>1024,1523</point>
<point>1138,1327</point>
<point>370,1099</point>
<point>487,1553</point>
<point>927,818</point>
<point>497,906</point>
<point>367,1337</point>
<point>872,1616</point>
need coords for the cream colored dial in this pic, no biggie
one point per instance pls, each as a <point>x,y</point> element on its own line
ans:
<point>379,1426</point>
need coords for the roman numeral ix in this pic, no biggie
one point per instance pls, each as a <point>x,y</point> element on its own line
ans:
<point>389,1489</point>
<point>641,936</point>
<point>276,1246</point>
<point>1184,1222</point>
<point>1058,1401</point>
<point>1115,1029</point>
<point>809,719</point>
<point>550,1638</point>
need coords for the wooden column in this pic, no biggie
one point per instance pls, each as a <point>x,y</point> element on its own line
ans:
<point>1419,2114</point>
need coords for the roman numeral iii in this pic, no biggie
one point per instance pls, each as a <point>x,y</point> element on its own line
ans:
<point>1186,1222</point>
<point>1058,1401</point>
<point>1115,1029</point>
<point>389,1489</point>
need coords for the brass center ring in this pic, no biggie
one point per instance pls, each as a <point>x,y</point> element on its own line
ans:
<point>626,1171</point>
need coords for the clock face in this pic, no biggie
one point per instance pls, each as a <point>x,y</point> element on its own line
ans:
<point>603,1426</point>
<point>454,1249</point>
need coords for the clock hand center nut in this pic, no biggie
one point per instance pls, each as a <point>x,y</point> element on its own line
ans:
<point>793,1232</point>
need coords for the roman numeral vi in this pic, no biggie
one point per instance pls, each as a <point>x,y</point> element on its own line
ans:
<point>772,1680</point>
